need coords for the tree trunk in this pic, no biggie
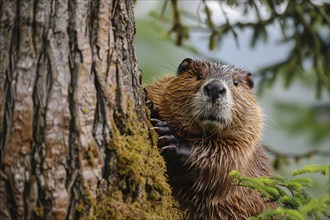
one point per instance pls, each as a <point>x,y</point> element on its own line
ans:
<point>74,140</point>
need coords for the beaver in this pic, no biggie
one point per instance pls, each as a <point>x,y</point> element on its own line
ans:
<point>209,124</point>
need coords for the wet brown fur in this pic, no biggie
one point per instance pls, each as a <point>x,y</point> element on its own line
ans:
<point>213,194</point>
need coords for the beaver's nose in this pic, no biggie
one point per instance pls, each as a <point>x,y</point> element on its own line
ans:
<point>215,89</point>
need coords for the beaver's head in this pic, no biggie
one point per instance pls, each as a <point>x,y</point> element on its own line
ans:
<point>209,98</point>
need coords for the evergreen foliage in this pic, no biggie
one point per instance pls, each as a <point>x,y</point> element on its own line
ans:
<point>292,195</point>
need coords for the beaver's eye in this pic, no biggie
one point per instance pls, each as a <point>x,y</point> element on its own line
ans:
<point>235,82</point>
<point>199,76</point>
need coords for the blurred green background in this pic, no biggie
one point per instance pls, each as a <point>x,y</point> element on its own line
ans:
<point>296,110</point>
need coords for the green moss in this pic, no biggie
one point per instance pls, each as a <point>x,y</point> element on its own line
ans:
<point>115,207</point>
<point>85,110</point>
<point>38,211</point>
<point>90,155</point>
<point>137,186</point>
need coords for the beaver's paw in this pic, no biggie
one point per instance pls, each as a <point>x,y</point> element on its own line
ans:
<point>167,140</point>
<point>174,149</point>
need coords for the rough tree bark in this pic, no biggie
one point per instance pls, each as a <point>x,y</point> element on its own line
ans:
<point>74,140</point>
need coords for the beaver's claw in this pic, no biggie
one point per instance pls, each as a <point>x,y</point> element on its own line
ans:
<point>167,141</point>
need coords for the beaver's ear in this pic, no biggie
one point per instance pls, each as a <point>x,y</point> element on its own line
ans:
<point>248,78</point>
<point>185,65</point>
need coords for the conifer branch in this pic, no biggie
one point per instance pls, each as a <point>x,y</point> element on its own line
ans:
<point>305,155</point>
